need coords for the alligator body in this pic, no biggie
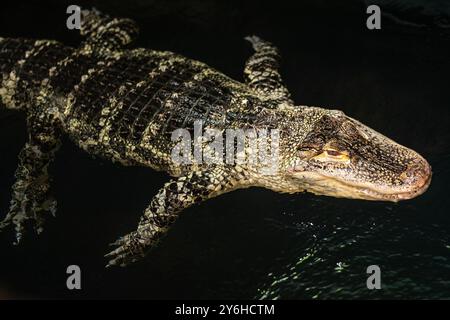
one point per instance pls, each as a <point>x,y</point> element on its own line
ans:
<point>124,105</point>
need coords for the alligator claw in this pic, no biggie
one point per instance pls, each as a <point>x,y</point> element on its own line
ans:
<point>130,248</point>
<point>35,213</point>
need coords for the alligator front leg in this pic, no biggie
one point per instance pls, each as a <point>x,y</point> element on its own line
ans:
<point>105,33</point>
<point>165,207</point>
<point>31,200</point>
<point>262,71</point>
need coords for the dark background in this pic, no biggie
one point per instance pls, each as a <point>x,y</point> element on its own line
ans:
<point>254,243</point>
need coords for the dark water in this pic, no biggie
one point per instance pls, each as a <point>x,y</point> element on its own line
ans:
<point>255,243</point>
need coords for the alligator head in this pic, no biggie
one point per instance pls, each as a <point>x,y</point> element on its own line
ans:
<point>338,156</point>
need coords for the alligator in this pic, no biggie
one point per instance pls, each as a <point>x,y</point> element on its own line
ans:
<point>123,104</point>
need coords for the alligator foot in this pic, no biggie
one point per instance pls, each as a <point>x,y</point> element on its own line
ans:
<point>25,210</point>
<point>130,248</point>
<point>31,200</point>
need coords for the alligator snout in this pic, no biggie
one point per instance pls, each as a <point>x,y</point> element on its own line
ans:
<point>416,177</point>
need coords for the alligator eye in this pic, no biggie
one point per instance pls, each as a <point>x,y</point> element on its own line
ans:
<point>333,155</point>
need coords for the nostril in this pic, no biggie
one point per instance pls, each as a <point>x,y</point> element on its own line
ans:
<point>417,173</point>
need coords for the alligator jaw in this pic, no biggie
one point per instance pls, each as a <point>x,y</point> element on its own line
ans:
<point>395,197</point>
<point>324,185</point>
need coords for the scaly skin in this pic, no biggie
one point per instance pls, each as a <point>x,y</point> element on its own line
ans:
<point>124,104</point>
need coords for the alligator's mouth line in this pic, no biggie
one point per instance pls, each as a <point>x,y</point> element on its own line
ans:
<point>325,185</point>
<point>393,196</point>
